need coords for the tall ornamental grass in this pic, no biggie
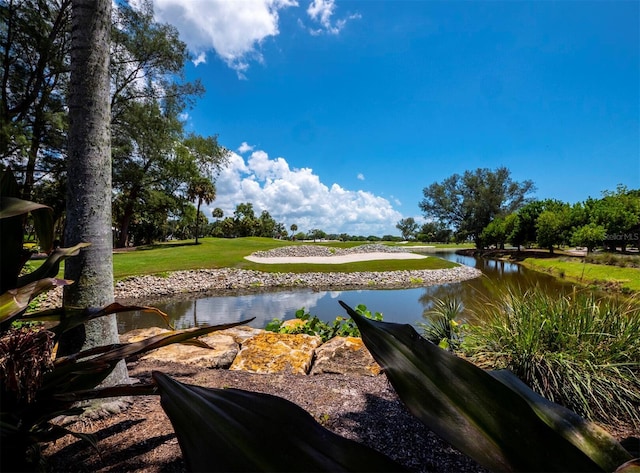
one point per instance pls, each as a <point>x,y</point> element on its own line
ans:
<point>577,350</point>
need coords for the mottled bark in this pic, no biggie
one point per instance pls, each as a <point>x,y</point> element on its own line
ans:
<point>89,174</point>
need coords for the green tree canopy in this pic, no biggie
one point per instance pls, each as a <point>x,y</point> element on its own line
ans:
<point>469,202</point>
<point>408,228</point>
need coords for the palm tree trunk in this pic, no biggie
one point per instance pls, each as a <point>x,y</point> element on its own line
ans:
<point>89,176</point>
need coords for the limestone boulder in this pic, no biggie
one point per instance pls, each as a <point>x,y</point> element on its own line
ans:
<point>141,334</point>
<point>241,333</point>
<point>270,352</point>
<point>345,355</point>
<point>221,354</point>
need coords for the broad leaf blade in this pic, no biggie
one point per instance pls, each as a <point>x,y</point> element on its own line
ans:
<point>466,406</point>
<point>50,267</point>
<point>595,442</point>
<point>12,206</point>
<point>87,369</point>
<point>236,430</point>
<point>14,301</point>
<point>70,317</point>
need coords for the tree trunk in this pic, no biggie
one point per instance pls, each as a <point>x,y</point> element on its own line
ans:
<point>89,176</point>
<point>197,218</point>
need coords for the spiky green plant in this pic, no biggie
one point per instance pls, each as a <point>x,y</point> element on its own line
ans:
<point>578,350</point>
<point>442,326</point>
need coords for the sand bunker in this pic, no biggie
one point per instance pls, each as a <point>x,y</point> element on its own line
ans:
<point>337,259</point>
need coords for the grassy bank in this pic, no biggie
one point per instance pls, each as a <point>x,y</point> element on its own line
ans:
<point>598,275</point>
<point>229,253</point>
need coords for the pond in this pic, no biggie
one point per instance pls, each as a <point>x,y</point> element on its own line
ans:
<point>396,305</point>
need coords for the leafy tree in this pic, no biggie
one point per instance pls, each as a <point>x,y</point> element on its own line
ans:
<point>89,168</point>
<point>619,213</point>
<point>407,227</point>
<point>245,221</point>
<point>469,202</point>
<point>217,213</point>
<point>499,230</point>
<point>266,225</point>
<point>35,72</point>
<point>316,234</point>
<point>202,190</point>
<point>589,235</point>
<point>433,231</point>
<point>550,227</point>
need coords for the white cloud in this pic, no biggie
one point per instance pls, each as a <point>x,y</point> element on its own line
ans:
<point>298,196</point>
<point>245,147</point>
<point>360,176</point>
<point>321,12</point>
<point>234,29</point>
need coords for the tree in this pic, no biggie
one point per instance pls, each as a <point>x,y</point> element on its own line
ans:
<point>267,225</point>
<point>316,234</point>
<point>407,227</point>
<point>294,229</point>
<point>217,213</point>
<point>203,190</point>
<point>244,219</point>
<point>35,65</point>
<point>433,231</point>
<point>589,235</point>
<point>469,202</point>
<point>89,172</point>
<point>619,213</point>
<point>550,229</point>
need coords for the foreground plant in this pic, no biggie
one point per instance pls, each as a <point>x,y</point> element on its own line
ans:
<point>490,416</point>
<point>36,385</point>
<point>578,350</point>
<point>312,325</point>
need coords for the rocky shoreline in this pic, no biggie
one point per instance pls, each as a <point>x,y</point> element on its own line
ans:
<point>146,289</point>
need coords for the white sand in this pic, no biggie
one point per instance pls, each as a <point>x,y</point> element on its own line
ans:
<point>337,259</point>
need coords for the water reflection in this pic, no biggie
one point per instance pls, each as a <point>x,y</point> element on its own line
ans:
<point>402,306</point>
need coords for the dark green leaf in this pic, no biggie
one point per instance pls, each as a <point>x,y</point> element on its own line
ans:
<point>466,406</point>
<point>236,430</point>
<point>12,206</point>
<point>587,436</point>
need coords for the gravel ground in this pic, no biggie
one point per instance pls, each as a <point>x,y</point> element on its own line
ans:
<point>365,409</point>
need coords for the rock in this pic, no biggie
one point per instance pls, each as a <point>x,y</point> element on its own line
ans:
<point>141,334</point>
<point>293,323</point>
<point>345,355</point>
<point>221,354</point>
<point>241,333</point>
<point>270,352</point>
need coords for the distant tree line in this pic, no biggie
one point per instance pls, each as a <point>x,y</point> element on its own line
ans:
<point>490,209</point>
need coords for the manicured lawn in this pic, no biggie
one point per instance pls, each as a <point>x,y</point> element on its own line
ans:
<point>221,253</point>
<point>587,273</point>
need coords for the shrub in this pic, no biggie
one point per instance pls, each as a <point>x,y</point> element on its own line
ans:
<point>340,327</point>
<point>442,327</point>
<point>578,350</point>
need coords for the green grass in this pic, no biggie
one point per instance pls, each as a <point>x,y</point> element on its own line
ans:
<point>578,350</point>
<point>230,253</point>
<point>613,277</point>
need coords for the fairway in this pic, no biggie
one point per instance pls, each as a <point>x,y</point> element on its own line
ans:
<point>214,253</point>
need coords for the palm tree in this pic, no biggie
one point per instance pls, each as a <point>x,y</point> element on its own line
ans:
<point>89,178</point>
<point>294,229</point>
<point>203,190</point>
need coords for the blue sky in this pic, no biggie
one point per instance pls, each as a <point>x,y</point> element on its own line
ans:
<point>339,113</point>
